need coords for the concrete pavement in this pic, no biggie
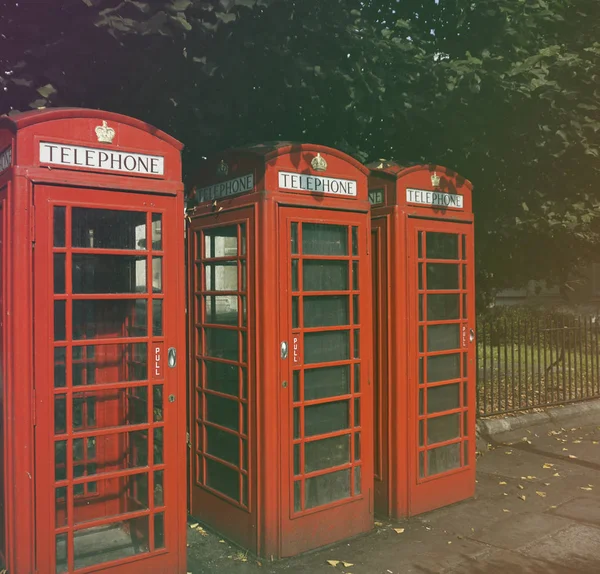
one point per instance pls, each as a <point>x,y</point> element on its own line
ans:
<point>536,510</point>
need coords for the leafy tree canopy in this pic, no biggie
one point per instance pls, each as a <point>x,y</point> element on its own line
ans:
<point>506,92</point>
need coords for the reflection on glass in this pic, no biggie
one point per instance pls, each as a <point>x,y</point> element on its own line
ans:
<point>443,368</point>
<point>108,273</point>
<point>157,231</point>
<point>222,343</point>
<point>223,445</point>
<point>324,239</point>
<point>60,367</point>
<point>60,506</point>
<point>221,377</point>
<point>62,565</point>
<point>159,530</point>
<point>327,488</point>
<point>326,453</point>
<point>297,496</point>
<point>223,479</point>
<point>221,309</point>
<point>59,273</point>
<point>157,317</point>
<point>60,414</point>
<point>157,271</point>
<point>443,337</point>
<point>357,479</point>
<point>325,275</point>
<point>442,276</point>
<point>326,347</point>
<point>221,276</point>
<point>221,242</point>
<point>158,446</point>
<point>441,429</point>
<point>100,319</point>
<point>105,364</point>
<point>59,225</point>
<point>326,311</point>
<point>442,307</point>
<point>60,460</point>
<point>108,229</point>
<point>442,245</point>
<point>326,382</point>
<point>326,418</point>
<point>223,412</point>
<point>443,458</point>
<point>157,399</point>
<point>442,398</point>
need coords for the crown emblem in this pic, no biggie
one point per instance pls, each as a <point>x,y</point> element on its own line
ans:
<point>318,163</point>
<point>104,133</point>
<point>435,179</point>
<point>222,168</point>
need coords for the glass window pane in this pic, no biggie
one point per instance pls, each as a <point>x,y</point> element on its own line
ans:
<point>96,545</point>
<point>442,307</point>
<point>442,398</point>
<point>59,273</point>
<point>158,444</point>
<point>440,429</point>
<point>357,479</point>
<point>159,530</point>
<point>326,311</point>
<point>355,309</point>
<point>119,407</point>
<point>327,488</point>
<point>157,272</point>
<point>441,245</point>
<point>326,418</point>
<point>295,319</point>
<point>60,414</point>
<point>101,319</point>
<point>221,276</point>
<point>443,459</point>
<point>222,411</point>
<point>109,273</point>
<point>294,275</point>
<point>223,479</point>
<point>157,406</point>
<point>355,276</point>
<point>294,238</point>
<point>442,276</point>
<point>157,231</point>
<point>326,347</point>
<point>221,309</point>
<point>297,496</point>
<point>60,333</point>
<point>296,385</point>
<point>326,453</point>
<point>354,240</point>
<point>223,445</point>
<point>221,377</point>
<point>443,368</point>
<point>443,337</point>
<point>59,226</point>
<point>326,382</point>
<point>221,242</point>
<point>157,318</point>
<point>60,367</point>
<point>323,239</point>
<point>108,229</point>
<point>222,343</point>
<point>319,275</point>
<point>105,364</point>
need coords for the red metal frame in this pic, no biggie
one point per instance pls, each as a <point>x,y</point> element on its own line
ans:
<point>270,525</point>
<point>77,398</point>
<point>408,488</point>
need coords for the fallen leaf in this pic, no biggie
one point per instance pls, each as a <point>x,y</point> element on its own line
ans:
<point>522,497</point>
<point>590,485</point>
<point>553,506</point>
<point>531,477</point>
<point>547,465</point>
<point>540,493</point>
<point>556,474</point>
<point>333,563</point>
<point>505,510</point>
<point>502,482</point>
<point>585,488</point>
<point>399,530</point>
<point>378,523</point>
<point>222,541</point>
<point>449,542</point>
<point>565,448</point>
<point>347,564</point>
<point>546,484</point>
<point>194,525</point>
<point>594,442</point>
<point>576,441</point>
<point>505,494</point>
<point>428,528</point>
<point>508,452</point>
<point>521,486</point>
<point>572,456</point>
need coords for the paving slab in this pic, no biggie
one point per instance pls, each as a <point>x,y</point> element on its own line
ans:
<point>580,510</point>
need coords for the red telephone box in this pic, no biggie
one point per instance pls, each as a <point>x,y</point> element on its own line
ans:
<point>92,293</point>
<point>422,238</point>
<point>280,348</point>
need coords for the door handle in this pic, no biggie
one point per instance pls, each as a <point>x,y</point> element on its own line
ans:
<point>172,357</point>
<point>471,335</point>
<point>284,349</point>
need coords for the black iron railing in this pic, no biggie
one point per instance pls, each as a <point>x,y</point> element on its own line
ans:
<point>524,363</point>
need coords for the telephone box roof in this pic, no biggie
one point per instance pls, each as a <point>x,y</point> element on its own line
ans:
<point>394,170</point>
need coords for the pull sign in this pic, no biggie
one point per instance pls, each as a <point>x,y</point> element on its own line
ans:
<point>296,349</point>
<point>157,370</point>
<point>464,335</point>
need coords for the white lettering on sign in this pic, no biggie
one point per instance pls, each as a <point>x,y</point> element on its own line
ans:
<point>316,183</point>
<point>375,196</point>
<point>296,350</point>
<point>94,158</point>
<point>5,159</point>
<point>434,198</point>
<point>226,188</point>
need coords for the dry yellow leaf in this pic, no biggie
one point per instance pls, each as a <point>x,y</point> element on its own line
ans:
<point>547,465</point>
<point>585,488</point>
<point>540,493</point>
<point>333,563</point>
<point>531,477</point>
<point>594,442</point>
<point>505,510</point>
<point>194,525</point>
<point>508,452</point>
<point>572,456</point>
<point>576,441</point>
<point>556,474</point>
<point>378,523</point>
<point>347,564</point>
<point>521,486</point>
<point>502,482</point>
<point>399,530</point>
<point>505,494</point>
<point>565,448</point>
<point>222,541</point>
<point>449,542</point>
<point>553,506</point>
<point>546,484</point>
<point>522,497</point>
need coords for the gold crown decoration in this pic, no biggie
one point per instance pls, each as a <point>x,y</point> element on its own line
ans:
<point>318,163</point>
<point>435,179</point>
<point>105,134</point>
<point>222,168</point>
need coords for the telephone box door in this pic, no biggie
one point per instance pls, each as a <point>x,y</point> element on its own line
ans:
<point>106,310</point>
<point>326,391</point>
<point>441,364</point>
